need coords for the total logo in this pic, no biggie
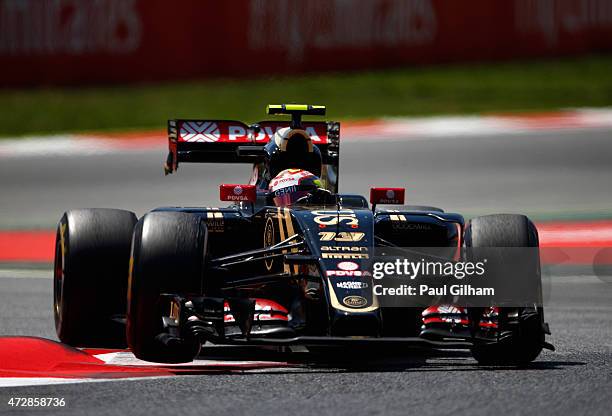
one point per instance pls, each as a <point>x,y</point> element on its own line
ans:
<point>347,269</point>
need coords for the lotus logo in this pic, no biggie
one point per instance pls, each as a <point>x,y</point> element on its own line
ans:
<point>238,190</point>
<point>390,194</point>
<point>348,266</point>
<point>354,301</point>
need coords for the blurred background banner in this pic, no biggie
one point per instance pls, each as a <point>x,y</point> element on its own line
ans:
<point>80,42</point>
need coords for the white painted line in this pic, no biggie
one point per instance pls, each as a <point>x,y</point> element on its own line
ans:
<point>128,359</point>
<point>26,273</point>
<point>448,126</point>
<point>72,145</point>
<point>46,381</point>
<point>43,381</point>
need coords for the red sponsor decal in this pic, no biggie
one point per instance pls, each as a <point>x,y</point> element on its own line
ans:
<point>233,192</point>
<point>126,37</point>
<point>265,310</point>
<point>393,196</point>
<point>444,320</point>
<point>212,131</point>
<point>345,273</point>
<point>220,131</point>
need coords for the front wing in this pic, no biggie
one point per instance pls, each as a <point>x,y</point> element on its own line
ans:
<point>205,318</point>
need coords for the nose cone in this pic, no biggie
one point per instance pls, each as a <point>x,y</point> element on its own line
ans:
<point>356,323</point>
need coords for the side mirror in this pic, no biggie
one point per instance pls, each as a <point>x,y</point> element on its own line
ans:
<point>392,196</point>
<point>238,193</point>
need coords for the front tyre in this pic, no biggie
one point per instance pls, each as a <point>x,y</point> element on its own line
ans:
<point>168,251</point>
<point>509,230</point>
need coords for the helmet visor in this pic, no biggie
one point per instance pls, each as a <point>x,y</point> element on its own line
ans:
<point>289,198</point>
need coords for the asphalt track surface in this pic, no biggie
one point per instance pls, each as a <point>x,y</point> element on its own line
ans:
<point>541,175</point>
<point>576,379</point>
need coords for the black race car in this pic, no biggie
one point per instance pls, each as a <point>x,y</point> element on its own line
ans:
<point>254,273</point>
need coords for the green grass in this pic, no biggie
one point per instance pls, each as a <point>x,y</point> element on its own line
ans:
<point>457,89</point>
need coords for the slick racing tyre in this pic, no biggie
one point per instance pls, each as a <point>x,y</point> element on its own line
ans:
<point>508,230</point>
<point>168,251</point>
<point>92,252</point>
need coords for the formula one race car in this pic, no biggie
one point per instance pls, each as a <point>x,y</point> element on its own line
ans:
<point>284,264</point>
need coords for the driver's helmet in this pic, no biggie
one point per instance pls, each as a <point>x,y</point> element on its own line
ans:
<point>292,184</point>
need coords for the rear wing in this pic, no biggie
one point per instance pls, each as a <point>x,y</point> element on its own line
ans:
<point>227,141</point>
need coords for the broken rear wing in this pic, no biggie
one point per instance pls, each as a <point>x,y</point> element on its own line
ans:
<point>227,141</point>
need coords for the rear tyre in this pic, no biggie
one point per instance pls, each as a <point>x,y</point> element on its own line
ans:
<point>168,251</point>
<point>92,251</point>
<point>509,230</point>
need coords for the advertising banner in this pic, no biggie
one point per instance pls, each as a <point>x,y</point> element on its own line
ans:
<point>76,42</point>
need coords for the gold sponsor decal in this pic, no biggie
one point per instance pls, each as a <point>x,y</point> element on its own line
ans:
<point>402,225</point>
<point>291,233</point>
<point>346,217</point>
<point>342,236</point>
<point>345,256</point>
<point>174,311</point>
<point>269,241</point>
<point>285,226</point>
<point>130,275</point>
<point>335,303</point>
<point>281,231</point>
<point>214,221</point>
<point>355,301</point>
<point>396,217</point>
<point>63,241</point>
